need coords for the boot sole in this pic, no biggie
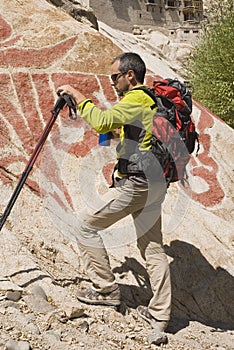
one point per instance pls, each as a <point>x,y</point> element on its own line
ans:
<point>99,302</point>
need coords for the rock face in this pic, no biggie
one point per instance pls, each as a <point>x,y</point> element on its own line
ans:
<point>40,268</point>
<point>77,11</point>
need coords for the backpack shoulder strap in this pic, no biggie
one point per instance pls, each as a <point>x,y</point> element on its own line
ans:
<point>160,101</point>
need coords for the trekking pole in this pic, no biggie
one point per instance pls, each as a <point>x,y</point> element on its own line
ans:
<point>65,99</point>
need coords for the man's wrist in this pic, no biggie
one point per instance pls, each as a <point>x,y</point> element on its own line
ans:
<point>81,105</point>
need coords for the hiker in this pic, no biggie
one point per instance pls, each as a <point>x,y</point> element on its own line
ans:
<point>139,192</point>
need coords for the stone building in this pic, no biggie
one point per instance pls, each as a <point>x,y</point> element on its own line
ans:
<point>180,18</point>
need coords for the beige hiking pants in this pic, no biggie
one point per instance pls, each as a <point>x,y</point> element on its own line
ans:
<point>144,204</point>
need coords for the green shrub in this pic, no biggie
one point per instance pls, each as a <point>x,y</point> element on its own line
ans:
<point>211,66</point>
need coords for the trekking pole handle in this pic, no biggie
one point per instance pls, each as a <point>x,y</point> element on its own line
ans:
<point>60,103</point>
<point>70,101</point>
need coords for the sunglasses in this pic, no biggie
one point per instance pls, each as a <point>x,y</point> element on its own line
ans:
<point>115,77</point>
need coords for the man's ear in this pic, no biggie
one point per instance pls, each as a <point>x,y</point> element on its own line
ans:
<point>132,77</point>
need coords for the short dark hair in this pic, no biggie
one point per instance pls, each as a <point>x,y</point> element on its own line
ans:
<point>131,61</point>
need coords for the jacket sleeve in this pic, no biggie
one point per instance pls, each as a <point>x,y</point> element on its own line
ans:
<point>128,109</point>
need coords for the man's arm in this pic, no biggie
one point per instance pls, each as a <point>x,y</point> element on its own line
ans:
<point>125,112</point>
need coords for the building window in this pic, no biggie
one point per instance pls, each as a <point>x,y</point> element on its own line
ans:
<point>189,16</point>
<point>171,3</point>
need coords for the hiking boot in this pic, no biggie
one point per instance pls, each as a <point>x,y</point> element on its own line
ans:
<point>157,336</point>
<point>144,313</point>
<point>91,296</point>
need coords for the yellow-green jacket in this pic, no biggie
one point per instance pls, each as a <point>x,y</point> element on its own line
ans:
<point>133,115</point>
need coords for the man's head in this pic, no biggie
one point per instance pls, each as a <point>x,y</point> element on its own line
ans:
<point>127,70</point>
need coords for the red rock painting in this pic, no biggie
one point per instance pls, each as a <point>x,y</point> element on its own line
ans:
<point>28,96</point>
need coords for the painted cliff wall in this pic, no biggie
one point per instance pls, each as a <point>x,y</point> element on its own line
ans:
<point>37,54</point>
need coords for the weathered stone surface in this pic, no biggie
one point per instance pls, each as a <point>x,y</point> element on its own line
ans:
<point>38,304</point>
<point>82,14</point>
<point>73,310</point>
<point>39,50</point>
<point>39,292</point>
<point>21,345</point>
<point>60,44</point>
<point>5,284</point>
<point>13,295</point>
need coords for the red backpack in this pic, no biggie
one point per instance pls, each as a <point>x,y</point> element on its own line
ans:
<point>174,133</point>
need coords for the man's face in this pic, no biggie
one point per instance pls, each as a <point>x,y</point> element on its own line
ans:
<point>120,81</point>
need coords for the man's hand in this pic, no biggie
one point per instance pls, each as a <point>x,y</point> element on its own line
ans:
<point>77,95</point>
